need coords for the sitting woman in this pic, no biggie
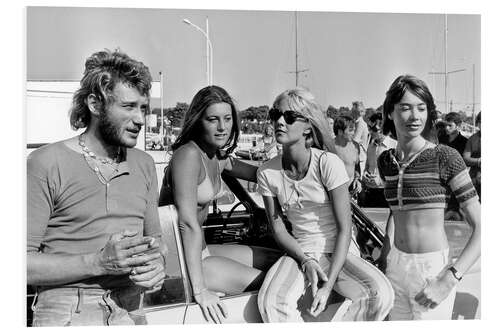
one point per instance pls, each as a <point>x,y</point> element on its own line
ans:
<point>209,134</point>
<point>309,188</point>
<point>419,176</point>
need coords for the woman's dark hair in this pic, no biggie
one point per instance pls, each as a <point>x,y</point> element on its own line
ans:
<point>191,127</point>
<point>103,71</point>
<point>398,88</point>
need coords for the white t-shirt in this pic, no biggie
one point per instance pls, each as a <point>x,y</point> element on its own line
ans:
<point>305,202</point>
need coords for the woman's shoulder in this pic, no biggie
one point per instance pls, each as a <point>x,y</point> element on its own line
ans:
<point>447,156</point>
<point>446,151</point>
<point>187,153</point>
<point>272,164</point>
<point>328,157</point>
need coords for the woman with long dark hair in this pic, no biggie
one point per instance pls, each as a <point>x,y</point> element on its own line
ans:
<point>309,188</point>
<point>193,181</point>
<point>419,177</point>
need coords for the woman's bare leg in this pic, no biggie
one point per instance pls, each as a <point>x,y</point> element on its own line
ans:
<point>233,269</point>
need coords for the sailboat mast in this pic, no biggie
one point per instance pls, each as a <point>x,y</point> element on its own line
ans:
<point>297,71</point>
<point>296,50</point>
<point>445,63</point>
<point>474,97</point>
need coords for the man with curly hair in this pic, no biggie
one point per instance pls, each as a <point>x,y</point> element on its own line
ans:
<point>92,225</point>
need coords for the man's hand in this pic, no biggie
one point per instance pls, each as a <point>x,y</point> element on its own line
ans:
<point>124,251</point>
<point>355,187</point>
<point>150,276</point>
<point>369,179</point>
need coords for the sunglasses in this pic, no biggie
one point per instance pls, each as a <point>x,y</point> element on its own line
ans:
<point>290,116</point>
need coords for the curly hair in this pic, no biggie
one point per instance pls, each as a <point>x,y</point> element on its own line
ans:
<point>191,126</point>
<point>103,70</point>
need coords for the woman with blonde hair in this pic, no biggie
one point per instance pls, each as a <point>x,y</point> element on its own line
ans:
<point>309,188</point>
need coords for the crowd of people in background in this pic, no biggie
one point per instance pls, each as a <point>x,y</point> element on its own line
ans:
<point>359,140</point>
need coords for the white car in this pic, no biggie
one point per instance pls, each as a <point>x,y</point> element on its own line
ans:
<point>245,223</point>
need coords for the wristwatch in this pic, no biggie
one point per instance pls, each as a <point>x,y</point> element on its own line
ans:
<point>455,273</point>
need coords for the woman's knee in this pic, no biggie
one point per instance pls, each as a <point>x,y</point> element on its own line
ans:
<point>382,297</point>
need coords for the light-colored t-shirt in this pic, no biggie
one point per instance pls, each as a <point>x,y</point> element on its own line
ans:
<point>361,135</point>
<point>305,202</point>
<point>71,212</point>
<point>374,151</point>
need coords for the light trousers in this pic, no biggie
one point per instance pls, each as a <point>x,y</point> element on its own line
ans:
<point>409,273</point>
<point>369,290</point>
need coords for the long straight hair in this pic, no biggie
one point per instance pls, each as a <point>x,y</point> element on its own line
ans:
<point>192,120</point>
<point>302,101</point>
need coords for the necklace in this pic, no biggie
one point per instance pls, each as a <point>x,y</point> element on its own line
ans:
<point>286,203</point>
<point>91,156</point>
<point>410,157</point>
<point>302,170</point>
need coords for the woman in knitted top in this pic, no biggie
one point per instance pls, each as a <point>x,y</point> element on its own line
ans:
<point>419,176</point>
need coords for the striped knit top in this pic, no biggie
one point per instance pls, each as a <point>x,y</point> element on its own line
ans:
<point>427,180</point>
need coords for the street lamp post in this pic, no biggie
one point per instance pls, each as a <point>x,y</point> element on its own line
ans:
<point>209,49</point>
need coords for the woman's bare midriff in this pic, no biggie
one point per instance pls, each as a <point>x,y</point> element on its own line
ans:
<point>420,230</point>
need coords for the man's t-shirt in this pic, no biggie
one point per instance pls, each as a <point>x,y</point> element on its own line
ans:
<point>459,143</point>
<point>71,212</point>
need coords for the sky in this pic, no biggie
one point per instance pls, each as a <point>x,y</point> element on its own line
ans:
<point>348,55</point>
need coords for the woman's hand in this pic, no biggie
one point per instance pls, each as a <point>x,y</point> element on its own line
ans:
<point>436,290</point>
<point>320,299</point>
<point>211,305</point>
<point>314,273</point>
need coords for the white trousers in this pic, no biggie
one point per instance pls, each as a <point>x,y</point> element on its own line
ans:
<point>408,273</point>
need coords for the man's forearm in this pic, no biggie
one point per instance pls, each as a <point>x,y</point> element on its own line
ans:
<point>58,269</point>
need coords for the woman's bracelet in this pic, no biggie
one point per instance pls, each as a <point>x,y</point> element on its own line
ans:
<point>199,292</point>
<point>305,261</point>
